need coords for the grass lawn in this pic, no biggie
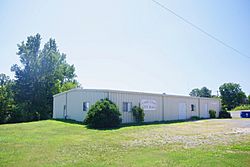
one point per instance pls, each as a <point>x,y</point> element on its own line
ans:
<point>57,143</point>
<point>241,107</point>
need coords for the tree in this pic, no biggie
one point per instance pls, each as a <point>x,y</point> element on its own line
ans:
<point>231,95</point>
<point>203,92</point>
<point>195,92</point>
<point>42,74</point>
<point>6,98</point>
<point>103,114</point>
<point>248,99</point>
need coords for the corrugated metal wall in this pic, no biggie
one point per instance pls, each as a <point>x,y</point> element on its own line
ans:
<point>171,107</point>
<point>168,107</point>
<point>135,98</point>
<point>207,104</point>
<point>76,99</point>
<point>58,106</point>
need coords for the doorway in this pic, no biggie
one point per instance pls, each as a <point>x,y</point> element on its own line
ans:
<point>182,111</point>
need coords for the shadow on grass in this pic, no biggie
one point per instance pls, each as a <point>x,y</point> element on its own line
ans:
<point>69,121</point>
<point>124,125</point>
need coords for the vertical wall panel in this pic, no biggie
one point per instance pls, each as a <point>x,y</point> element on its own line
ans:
<point>135,98</point>
<point>75,101</point>
<point>167,107</point>
<point>58,106</point>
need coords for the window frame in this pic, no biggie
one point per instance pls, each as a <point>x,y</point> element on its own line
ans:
<point>127,106</point>
<point>192,107</point>
<point>85,106</point>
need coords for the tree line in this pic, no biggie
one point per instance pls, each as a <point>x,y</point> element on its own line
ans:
<point>231,95</point>
<point>43,72</point>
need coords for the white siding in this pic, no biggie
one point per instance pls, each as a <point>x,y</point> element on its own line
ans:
<point>75,103</point>
<point>58,106</point>
<point>182,111</point>
<point>212,104</point>
<point>171,107</point>
<point>127,117</point>
<point>167,106</point>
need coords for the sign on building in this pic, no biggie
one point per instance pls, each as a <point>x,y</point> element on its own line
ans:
<point>148,104</point>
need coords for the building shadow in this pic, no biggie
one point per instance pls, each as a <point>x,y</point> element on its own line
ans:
<point>125,125</point>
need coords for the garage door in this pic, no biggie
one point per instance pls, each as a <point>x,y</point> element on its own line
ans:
<point>182,111</point>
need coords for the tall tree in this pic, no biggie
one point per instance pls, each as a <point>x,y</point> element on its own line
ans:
<point>231,95</point>
<point>195,92</point>
<point>203,92</point>
<point>42,74</point>
<point>6,98</point>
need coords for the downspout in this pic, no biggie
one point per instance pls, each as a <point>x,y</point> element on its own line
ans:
<point>219,107</point>
<point>108,95</point>
<point>199,106</point>
<point>163,107</point>
<point>66,109</point>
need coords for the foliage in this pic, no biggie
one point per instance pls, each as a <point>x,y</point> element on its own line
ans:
<point>68,85</point>
<point>195,92</point>
<point>212,113</point>
<point>7,104</point>
<point>103,114</point>
<point>195,118</point>
<point>248,99</point>
<point>138,114</point>
<point>232,95</point>
<point>203,92</point>
<point>43,72</point>
<point>224,114</point>
<point>224,108</point>
<point>242,107</point>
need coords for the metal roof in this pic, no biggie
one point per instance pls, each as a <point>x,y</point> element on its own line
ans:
<point>129,92</point>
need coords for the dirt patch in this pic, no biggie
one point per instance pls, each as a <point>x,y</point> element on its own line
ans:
<point>193,134</point>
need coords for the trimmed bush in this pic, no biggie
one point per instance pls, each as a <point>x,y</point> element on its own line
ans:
<point>242,107</point>
<point>138,114</point>
<point>195,118</point>
<point>212,113</point>
<point>224,114</point>
<point>103,114</point>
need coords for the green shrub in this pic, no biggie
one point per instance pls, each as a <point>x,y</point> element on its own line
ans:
<point>3,117</point>
<point>224,114</point>
<point>103,114</point>
<point>242,107</point>
<point>224,108</point>
<point>138,114</point>
<point>212,113</point>
<point>195,118</point>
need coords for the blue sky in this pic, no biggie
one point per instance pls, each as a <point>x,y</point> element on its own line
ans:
<point>136,45</point>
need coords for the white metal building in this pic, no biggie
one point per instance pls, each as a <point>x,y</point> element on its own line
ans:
<point>74,104</point>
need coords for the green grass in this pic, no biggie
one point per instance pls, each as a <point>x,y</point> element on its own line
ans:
<point>57,143</point>
<point>242,107</point>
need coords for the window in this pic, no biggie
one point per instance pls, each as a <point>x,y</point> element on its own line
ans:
<point>192,107</point>
<point>85,106</point>
<point>127,106</point>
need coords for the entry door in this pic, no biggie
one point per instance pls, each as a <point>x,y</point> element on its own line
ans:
<point>182,111</point>
<point>206,111</point>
